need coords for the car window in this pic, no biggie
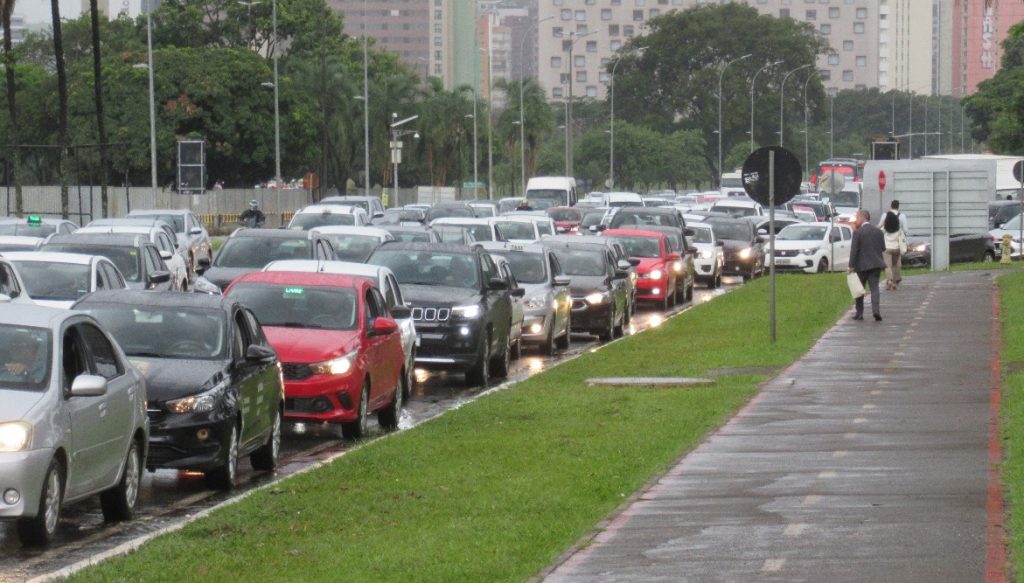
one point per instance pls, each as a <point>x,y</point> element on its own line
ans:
<point>254,330</point>
<point>163,242</point>
<point>374,306</point>
<point>489,268</point>
<point>24,357</point>
<point>112,276</point>
<point>506,272</point>
<point>8,282</point>
<point>104,357</point>
<point>247,333</point>
<point>153,260</point>
<point>392,295</point>
<point>73,360</point>
<point>238,339</point>
<point>847,233</point>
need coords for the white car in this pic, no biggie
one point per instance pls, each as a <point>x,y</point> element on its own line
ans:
<point>523,227</point>
<point>20,243</point>
<point>354,243</point>
<point>481,227</point>
<point>738,207</point>
<point>192,236</point>
<point>323,215</point>
<point>57,280</point>
<point>386,282</point>
<point>709,262</point>
<point>176,264</point>
<point>371,204</point>
<point>36,226</point>
<point>1011,227</point>
<point>813,248</point>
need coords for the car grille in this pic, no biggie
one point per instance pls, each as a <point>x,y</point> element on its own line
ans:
<point>155,414</point>
<point>296,371</point>
<point>578,303</point>
<point>431,314</point>
<point>786,252</point>
<point>308,405</point>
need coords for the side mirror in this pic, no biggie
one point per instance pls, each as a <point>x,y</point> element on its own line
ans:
<point>633,261</point>
<point>158,277</point>
<point>561,281</point>
<point>621,273</point>
<point>196,231</point>
<point>383,327</point>
<point>624,264</point>
<point>692,251</point>
<point>202,265</point>
<point>674,257</point>
<point>497,284</point>
<point>378,214</point>
<point>517,292</point>
<point>165,254</point>
<point>401,312</point>
<point>260,353</point>
<point>762,231</point>
<point>88,385</point>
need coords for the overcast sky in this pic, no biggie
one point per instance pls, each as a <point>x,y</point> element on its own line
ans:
<point>38,11</point>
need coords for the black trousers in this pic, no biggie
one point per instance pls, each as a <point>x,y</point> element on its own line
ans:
<point>870,278</point>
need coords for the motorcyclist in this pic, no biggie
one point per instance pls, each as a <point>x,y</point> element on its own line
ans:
<point>252,216</point>
<point>524,205</point>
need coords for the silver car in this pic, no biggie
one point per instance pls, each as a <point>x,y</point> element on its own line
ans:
<point>73,419</point>
<point>192,235</point>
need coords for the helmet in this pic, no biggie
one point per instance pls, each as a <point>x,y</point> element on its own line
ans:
<point>253,203</point>
<point>524,203</point>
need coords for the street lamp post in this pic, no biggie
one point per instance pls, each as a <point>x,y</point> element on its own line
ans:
<point>476,159</point>
<point>152,96</point>
<point>522,121</point>
<point>752,86</point>
<point>277,104</point>
<point>366,107</point>
<point>782,102</point>
<point>490,119</point>
<point>807,154</point>
<point>831,121</point>
<point>611,123</point>
<point>396,145</point>
<point>721,75</point>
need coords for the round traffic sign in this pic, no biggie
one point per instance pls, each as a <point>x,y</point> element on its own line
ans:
<point>788,174</point>
<point>1018,171</point>
<point>881,180</point>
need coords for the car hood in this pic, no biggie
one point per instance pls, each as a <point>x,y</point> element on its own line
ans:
<point>222,276</point>
<point>649,263</point>
<point>534,289</point>
<point>310,345</point>
<point>17,404</point>
<point>582,285</point>
<point>735,245</point>
<point>439,294</point>
<point>174,378</point>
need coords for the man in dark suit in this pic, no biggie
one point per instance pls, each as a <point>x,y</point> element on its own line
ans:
<point>866,259</point>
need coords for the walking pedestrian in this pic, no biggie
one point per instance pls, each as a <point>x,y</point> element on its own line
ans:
<point>866,260</point>
<point>895,247</point>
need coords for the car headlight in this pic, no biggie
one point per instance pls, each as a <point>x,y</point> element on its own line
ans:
<point>537,302</point>
<point>677,266</point>
<point>656,274</point>
<point>707,254</point>
<point>15,436</point>
<point>469,312</point>
<point>921,248</point>
<point>809,251</point>
<point>746,253</point>
<point>336,366</point>
<point>596,298</point>
<point>202,403</point>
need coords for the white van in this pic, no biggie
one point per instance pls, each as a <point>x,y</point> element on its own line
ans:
<point>732,184</point>
<point>544,192</point>
<point>619,199</point>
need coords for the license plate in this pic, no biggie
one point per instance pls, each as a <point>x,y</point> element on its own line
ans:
<point>781,261</point>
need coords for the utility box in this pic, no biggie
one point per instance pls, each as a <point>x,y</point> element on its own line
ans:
<point>885,150</point>
<point>939,197</point>
<point>192,166</point>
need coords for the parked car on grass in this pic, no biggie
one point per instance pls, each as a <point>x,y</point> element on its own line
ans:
<point>813,248</point>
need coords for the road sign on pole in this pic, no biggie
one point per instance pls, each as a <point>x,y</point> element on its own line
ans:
<point>881,180</point>
<point>785,178</point>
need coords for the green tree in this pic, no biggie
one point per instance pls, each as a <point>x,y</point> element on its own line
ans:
<point>62,113</point>
<point>6,13</point>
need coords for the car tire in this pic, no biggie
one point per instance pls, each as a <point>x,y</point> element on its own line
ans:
<point>517,348</point>
<point>388,416</point>
<point>823,265</point>
<point>619,330</point>
<point>480,371</point>
<point>609,333</point>
<point>547,346</point>
<point>562,342</point>
<point>118,503</point>
<point>39,530</point>
<point>265,458</point>
<point>357,429</point>
<point>502,363</point>
<point>223,478</point>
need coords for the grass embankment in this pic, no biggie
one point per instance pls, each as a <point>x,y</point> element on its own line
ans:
<point>1011,318</point>
<point>498,489</point>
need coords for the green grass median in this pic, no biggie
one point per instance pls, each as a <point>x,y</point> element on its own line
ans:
<point>499,488</point>
<point>1011,319</point>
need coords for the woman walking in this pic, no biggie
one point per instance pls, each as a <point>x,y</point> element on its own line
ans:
<point>895,247</point>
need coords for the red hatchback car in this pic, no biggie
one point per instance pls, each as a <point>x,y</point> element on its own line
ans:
<point>340,348</point>
<point>567,218</point>
<point>656,274</point>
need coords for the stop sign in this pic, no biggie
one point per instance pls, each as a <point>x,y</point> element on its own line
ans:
<point>881,179</point>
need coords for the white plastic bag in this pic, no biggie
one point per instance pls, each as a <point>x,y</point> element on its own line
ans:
<point>853,282</point>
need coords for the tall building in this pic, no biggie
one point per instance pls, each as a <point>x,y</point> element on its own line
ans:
<point>398,26</point>
<point>455,54</point>
<point>18,29</point>
<point>907,45</point>
<point>116,8</point>
<point>979,29</point>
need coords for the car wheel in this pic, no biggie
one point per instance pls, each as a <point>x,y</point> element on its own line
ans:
<point>562,342</point>
<point>823,265</point>
<point>118,503</point>
<point>517,348</point>
<point>265,458</point>
<point>39,530</point>
<point>388,416</point>
<point>619,330</point>
<point>609,332</point>
<point>357,429</point>
<point>547,346</point>
<point>503,362</point>
<point>480,371</point>
<point>223,478</point>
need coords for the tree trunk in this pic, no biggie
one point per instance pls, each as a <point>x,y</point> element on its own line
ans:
<point>323,124</point>
<point>97,82</point>
<point>12,107</point>
<point>62,93</point>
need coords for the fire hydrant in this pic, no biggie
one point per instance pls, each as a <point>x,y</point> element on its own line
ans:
<point>1006,249</point>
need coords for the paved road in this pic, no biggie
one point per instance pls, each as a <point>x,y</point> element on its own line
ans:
<point>865,461</point>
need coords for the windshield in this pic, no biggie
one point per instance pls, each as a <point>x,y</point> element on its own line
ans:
<point>545,198</point>
<point>298,306</point>
<point>62,282</point>
<point>452,234</point>
<point>1012,224</point>
<point>580,261</point>
<point>439,212</point>
<point>163,331</point>
<point>513,230</point>
<point>307,221</point>
<point>732,231</point>
<point>527,267</point>
<point>507,206</point>
<point>18,247</point>
<point>255,252</point>
<point>176,221</point>
<point>591,219</point>
<point>626,219</point>
<point>1001,214</point>
<point>126,259</point>
<point>26,230</point>
<point>640,246</point>
<point>363,204</point>
<point>411,236</point>
<point>430,267</point>
<point>702,235</point>
<point>802,233</point>
<point>566,215</point>
<point>24,357</point>
<point>354,248</point>
<point>484,210</point>
<point>845,198</point>
<point>732,182</point>
<point>735,211</point>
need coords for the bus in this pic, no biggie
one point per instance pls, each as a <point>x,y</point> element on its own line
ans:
<point>851,168</point>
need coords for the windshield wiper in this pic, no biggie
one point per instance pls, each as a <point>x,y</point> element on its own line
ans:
<point>294,325</point>
<point>147,354</point>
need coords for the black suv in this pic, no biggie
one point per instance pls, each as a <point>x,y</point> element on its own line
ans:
<point>213,383</point>
<point>460,303</point>
<point>743,248</point>
<point>135,256</point>
<point>249,250</point>
<point>600,303</point>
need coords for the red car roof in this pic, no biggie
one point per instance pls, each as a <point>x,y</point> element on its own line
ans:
<point>303,278</point>
<point>633,233</point>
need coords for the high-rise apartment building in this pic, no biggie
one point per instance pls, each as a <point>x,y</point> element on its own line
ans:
<point>116,8</point>
<point>979,29</point>
<point>398,26</point>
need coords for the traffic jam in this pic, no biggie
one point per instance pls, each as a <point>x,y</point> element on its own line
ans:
<point>145,373</point>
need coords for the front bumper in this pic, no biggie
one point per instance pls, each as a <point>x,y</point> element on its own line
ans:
<point>653,289</point>
<point>800,262</point>
<point>537,326</point>
<point>324,397</point>
<point>23,471</point>
<point>737,264</point>
<point>454,344</point>
<point>193,441</point>
<point>591,318</point>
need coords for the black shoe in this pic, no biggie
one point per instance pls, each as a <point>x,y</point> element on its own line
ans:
<point>878,317</point>
<point>858,317</point>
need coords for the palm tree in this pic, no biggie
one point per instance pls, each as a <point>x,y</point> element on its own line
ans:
<point>6,12</point>
<point>97,84</point>
<point>62,94</point>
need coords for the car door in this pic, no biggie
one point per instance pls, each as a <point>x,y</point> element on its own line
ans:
<point>499,304</point>
<point>517,301</point>
<point>151,263</point>
<point>393,297</point>
<point>175,264</point>
<point>378,362</point>
<point>268,388</point>
<point>560,293</point>
<point>841,248</point>
<point>617,285</point>
<point>246,377</point>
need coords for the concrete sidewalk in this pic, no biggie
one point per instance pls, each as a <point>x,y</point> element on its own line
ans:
<point>865,461</point>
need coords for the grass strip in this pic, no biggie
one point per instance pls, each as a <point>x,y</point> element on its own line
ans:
<point>498,489</point>
<point>1011,320</point>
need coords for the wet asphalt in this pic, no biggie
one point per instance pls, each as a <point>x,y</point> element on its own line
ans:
<point>867,460</point>
<point>169,498</point>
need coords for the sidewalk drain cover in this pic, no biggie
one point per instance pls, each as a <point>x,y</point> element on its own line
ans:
<point>651,382</point>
